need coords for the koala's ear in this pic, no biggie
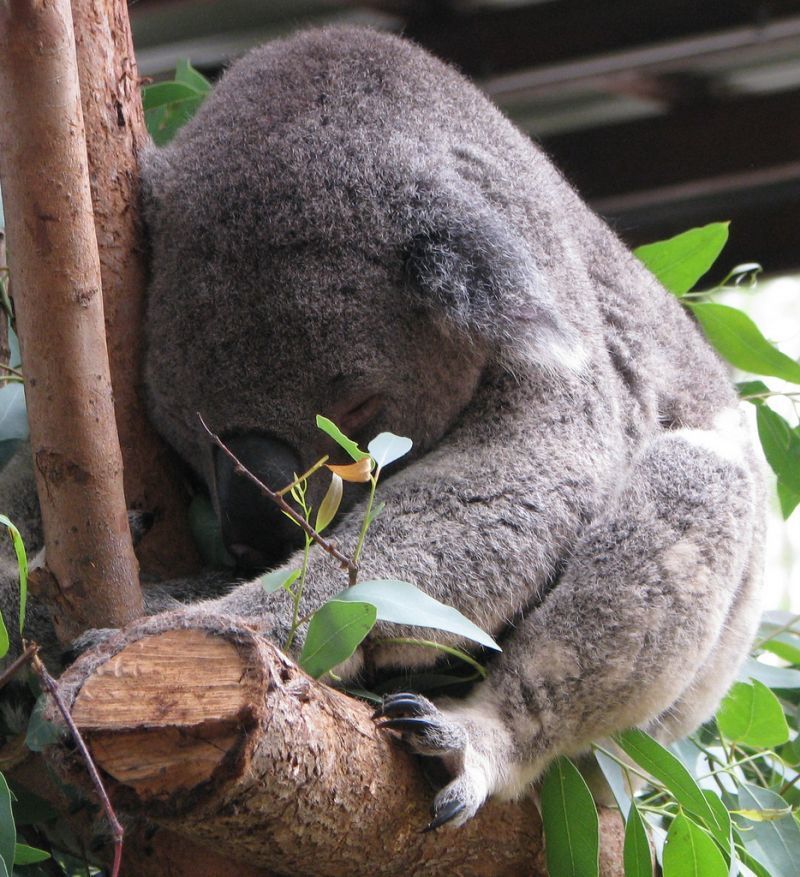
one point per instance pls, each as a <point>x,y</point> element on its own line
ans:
<point>481,278</point>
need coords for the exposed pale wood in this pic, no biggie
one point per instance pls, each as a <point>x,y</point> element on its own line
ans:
<point>301,782</point>
<point>59,317</point>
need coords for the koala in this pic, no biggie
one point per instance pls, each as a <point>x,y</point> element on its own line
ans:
<point>348,227</point>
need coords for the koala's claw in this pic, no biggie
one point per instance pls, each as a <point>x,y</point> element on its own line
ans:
<point>442,814</point>
<point>424,727</point>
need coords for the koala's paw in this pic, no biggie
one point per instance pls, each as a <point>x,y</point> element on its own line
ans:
<point>428,731</point>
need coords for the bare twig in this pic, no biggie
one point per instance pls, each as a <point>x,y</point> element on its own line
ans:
<point>117,831</point>
<point>284,506</point>
<point>18,662</point>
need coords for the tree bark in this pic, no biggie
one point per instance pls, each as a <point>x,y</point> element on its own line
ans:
<point>59,313</point>
<point>115,134</point>
<point>219,737</point>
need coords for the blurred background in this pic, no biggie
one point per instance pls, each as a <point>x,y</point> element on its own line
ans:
<point>665,115</point>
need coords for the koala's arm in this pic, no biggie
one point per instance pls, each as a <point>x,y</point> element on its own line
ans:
<point>480,523</point>
<point>646,627</point>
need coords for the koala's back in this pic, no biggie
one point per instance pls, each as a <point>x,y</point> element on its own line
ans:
<point>338,139</point>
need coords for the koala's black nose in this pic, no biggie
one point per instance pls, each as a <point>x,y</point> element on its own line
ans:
<point>254,529</point>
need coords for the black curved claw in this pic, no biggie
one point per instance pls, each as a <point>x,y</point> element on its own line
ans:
<point>447,812</point>
<point>406,723</point>
<point>397,704</point>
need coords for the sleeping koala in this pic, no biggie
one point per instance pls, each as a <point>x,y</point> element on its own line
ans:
<point>348,227</point>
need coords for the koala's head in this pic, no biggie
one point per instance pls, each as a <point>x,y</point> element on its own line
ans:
<point>332,235</point>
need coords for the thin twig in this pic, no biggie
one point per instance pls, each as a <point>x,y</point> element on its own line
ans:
<point>306,475</point>
<point>241,469</point>
<point>12,668</point>
<point>117,831</point>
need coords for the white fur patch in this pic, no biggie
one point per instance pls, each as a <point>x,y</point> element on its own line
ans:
<point>727,439</point>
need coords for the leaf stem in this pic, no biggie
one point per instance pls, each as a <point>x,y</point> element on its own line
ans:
<point>373,484</point>
<point>431,644</point>
<point>304,477</point>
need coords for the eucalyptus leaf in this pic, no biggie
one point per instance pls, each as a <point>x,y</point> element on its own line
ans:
<point>332,430</point>
<point>679,262</point>
<point>330,503</point>
<point>25,855</point>
<point>781,445</point>
<point>665,767</point>
<point>788,499</point>
<point>403,603</point>
<point>387,447</point>
<point>772,677</point>
<point>751,715</point>
<point>723,830</point>
<point>41,733</point>
<point>8,830</point>
<point>740,341</point>
<point>775,843</point>
<point>569,818</point>
<point>279,578</point>
<point>335,632</point>
<point>615,777</point>
<point>22,569</point>
<point>636,850</point>
<point>186,74</point>
<point>690,852</point>
<point>162,93</point>
<point>358,473</point>
<point>207,534</point>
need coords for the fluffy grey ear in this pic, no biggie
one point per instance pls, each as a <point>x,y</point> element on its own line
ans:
<point>483,280</point>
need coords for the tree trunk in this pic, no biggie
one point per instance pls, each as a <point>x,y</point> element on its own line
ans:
<point>59,313</point>
<point>214,734</point>
<point>115,134</point>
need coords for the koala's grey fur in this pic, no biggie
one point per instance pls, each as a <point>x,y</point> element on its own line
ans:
<point>347,217</point>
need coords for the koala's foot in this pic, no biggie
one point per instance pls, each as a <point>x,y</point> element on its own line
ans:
<point>429,731</point>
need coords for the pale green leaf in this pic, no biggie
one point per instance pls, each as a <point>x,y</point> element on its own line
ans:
<point>667,769</point>
<point>330,503</point>
<point>772,677</point>
<point>332,430</point>
<point>22,568</point>
<point>690,852</point>
<point>403,603</point>
<point>775,843</point>
<point>279,578</point>
<point>335,632</point>
<point>569,818</point>
<point>740,341</point>
<point>751,715</point>
<point>387,447</point>
<point>162,93</point>
<point>679,262</point>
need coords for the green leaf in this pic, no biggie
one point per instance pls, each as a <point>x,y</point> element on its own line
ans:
<point>186,74</point>
<point>206,533</point>
<point>163,93</point>
<point>403,603</point>
<point>332,430</point>
<point>25,855</point>
<point>781,446</point>
<point>751,715</point>
<point>570,822</point>
<point>279,578</point>
<point>722,831</point>
<point>22,566</point>
<point>330,503</point>
<point>666,768</point>
<point>335,632</point>
<point>772,677</point>
<point>740,341</point>
<point>41,733</point>
<point>387,447</point>
<point>752,388</point>
<point>679,262</point>
<point>616,779</point>
<point>786,646</point>
<point>789,500</point>
<point>775,843</point>
<point>636,850</point>
<point>163,122</point>
<point>690,852</point>
<point>8,830</point>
